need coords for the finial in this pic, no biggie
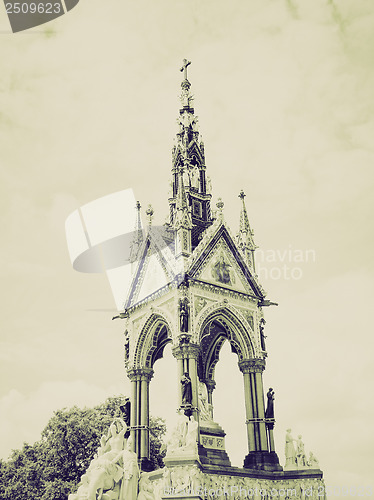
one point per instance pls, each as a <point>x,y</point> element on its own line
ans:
<point>185,83</point>
<point>184,67</point>
<point>138,206</point>
<point>242,195</point>
<point>150,213</point>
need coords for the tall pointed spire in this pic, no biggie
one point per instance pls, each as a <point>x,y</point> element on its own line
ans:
<point>188,160</point>
<point>138,234</point>
<point>245,235</point>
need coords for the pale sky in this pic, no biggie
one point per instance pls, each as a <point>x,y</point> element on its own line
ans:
<point>284,94</point>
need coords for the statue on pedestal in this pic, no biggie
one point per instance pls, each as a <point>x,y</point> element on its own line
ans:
<point>290,450</point>
<point>183,316</point>
<point>313,462</point>
<point>184,436</point>
<point>262,335</point>
<point>300,453</point>
<point>186,389</point>
<point>113,474</point>
<point>206,409</point>
<point>269,413</point>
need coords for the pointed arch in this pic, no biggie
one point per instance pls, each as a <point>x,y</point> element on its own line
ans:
<point>218,323</point>
<point>154,336</point>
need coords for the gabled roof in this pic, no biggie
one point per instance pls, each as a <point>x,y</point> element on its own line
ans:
<point>155,266</point>
<point>216,257</point>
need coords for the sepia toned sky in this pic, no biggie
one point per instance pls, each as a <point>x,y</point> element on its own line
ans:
<point>284,95</point>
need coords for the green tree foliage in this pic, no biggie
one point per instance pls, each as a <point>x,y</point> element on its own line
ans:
<point>51,468</point>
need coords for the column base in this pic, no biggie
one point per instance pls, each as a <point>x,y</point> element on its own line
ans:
<point>212,445</point>
<point>262,460</point>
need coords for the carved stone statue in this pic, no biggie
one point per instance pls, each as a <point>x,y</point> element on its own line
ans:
<point>262,335</point>
<point>186,389</point>
<point>192,434</point>
<point>145,488</point>
<point>113,473</point>
<point>221,271</point>
<point>178,436</point>
<point>300,453</point>
<point>206,409</point>
<point>269,413</point>
<point>290,450</point>
<point>313,462</point>
<point>195,180</point>
<point>183,317</point>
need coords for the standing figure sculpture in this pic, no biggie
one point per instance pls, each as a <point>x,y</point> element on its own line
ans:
<point>262,335</point>
<point>183,315</point>
<point>269,413</point>
<point>290,451</point>
<point>300,453</point>
<point>186,389</point>
<point>206,409</point>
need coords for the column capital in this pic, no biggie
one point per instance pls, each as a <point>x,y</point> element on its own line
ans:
<point>186,351</point>
<point>252,365</point>
<point>140,374</point>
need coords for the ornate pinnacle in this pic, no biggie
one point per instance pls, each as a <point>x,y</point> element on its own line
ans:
<point>138,234</point>
<point>245,234</point>
<point>244,222</point>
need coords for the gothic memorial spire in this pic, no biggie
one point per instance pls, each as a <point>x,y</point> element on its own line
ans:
<point>188,163</point>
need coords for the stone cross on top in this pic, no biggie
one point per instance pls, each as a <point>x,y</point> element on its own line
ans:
<point>184,67</point>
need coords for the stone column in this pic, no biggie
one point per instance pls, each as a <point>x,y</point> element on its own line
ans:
<point>245,368</point>
<point>145,375</point>
<point>193,353</point>
<point>254,403</point>
<point>210,385</point>
<point>261,407</point>
<point>134,414</point>
<point>139,418</point>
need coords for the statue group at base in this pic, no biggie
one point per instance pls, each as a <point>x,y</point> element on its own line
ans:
<point>113,474</point>
<point>184,436</point>
<point>296,458</point>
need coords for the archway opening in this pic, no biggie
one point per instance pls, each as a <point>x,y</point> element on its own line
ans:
<point>163,397</point>
<point>229,405</point>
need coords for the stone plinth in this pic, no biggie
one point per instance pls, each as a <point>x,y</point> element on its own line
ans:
<point>212,445</point>
<point>201,482</point>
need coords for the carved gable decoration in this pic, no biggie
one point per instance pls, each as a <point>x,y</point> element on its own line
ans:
<point>221,264</point>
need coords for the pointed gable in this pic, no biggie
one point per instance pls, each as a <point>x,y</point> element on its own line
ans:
<point>217,260</point>
<point>155,268</point>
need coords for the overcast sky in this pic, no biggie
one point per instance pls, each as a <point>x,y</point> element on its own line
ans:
<point>284,95</point>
